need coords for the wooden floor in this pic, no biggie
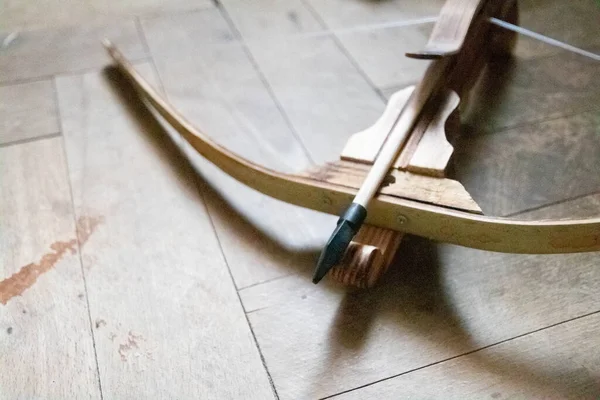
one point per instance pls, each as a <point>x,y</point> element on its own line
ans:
<point>128,271</point>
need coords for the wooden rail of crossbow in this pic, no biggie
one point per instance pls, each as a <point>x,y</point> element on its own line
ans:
<point>416,198</point>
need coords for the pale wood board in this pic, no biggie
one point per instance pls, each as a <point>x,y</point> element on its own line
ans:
<point>224,96</point>
<point>45,335</point>
<point>324,96</point>
<point>435,302</point>
<point>167,319</point>
<point>28,15</point>
<point>260,19</point>
<point>474,231</point>
<point>27,110</point>
<point>561,362</point>
<point>554,160</point>
<point>378,48</point>
<point>450,32</point>
<point>347,14</point>
<point>33,54</point>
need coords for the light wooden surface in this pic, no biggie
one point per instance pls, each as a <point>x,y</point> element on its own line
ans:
<point>549,236</point>
<point>35,54</point>
<point>45,331</point>
<point>436,302</point>
<point>227,94</point>
<point>450,30</point>
<point>155,253</point>
<point>15,116</point>
<point>320,90</point>
<point>160,317</point>
<point>19,15</point>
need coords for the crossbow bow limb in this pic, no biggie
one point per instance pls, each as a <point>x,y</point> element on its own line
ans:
<point>400,161</point>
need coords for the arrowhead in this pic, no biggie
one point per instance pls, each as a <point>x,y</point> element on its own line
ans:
<point>347,226</point>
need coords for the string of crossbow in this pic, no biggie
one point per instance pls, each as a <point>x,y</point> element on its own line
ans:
<point>390,179</point>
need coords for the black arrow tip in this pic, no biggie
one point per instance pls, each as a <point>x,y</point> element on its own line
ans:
<point>333,252</point>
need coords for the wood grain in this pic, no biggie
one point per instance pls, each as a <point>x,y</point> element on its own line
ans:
<point>435,302</point>
<point>423,188</point>
<point>167,319</point>
<point>434,222</point>
<point>380,51</point>
<point>525,90</point>
<point>27,110</point>
<point>450,30</point>
<point>553,160</point>
<point>324,96</point>
<point>32,54</point>
<point>267,19</point>
<point>28,15</point>
<point>343,14</point>
<point>262,238</point>
<point>45,334</point>
<point>558,362</point>
<point>574,22</point>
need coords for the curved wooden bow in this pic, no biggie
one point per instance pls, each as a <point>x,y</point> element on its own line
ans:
<point>411,203</point>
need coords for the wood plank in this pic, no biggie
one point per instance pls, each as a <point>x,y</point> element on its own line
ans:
<point>27,110</point>
<point>168,321</point>
<point>390,29</point>
<point>27,15</point>
<point>322,93</point>
<point>259,19</point>
<point>435,302</point>
<point>531,90</point>
<point>574,22</point>
<point>45,335</point>
<point>44,52</point>
<point>217,88</point>
<point>379,48</point>
<point>347,14</point>
<point>558,362</point>
<point>450,32</point>
<point>553,160</point>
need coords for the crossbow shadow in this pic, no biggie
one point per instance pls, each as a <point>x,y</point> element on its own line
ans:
<point>410,290</point>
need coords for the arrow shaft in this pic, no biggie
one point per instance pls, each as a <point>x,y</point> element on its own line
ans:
<point>401,131</point>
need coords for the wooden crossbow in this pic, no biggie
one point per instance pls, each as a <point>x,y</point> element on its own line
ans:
<point>390,179</point>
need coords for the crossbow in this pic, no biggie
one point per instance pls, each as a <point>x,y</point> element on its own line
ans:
<point>390,179</point>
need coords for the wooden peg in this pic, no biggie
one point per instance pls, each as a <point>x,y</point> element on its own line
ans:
<point>368,257</point>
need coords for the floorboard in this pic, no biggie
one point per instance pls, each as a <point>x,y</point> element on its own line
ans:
<point>436,302</point>
<point>560,362</point>
<point>45,334</point>
<point>167,319</point>
<point>224,95</point>
<point>41,53</point>
<point>28,15</point>
<point>130,267</point>
<point>16,123</point>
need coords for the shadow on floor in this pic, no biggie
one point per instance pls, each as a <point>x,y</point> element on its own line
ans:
<point>411,293</point>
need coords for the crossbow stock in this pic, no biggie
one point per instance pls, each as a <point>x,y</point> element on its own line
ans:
<point>395,170</point>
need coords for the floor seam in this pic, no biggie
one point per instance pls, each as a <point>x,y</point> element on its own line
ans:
<point>266,83</point>
<point>266,281</point>
<point>50,77</point>
<point>31,139</point>
<point>226,262</point>
<point>464,354</point>
<point>345,51</point>
<point>79,246</point>
<point>551,204</point>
